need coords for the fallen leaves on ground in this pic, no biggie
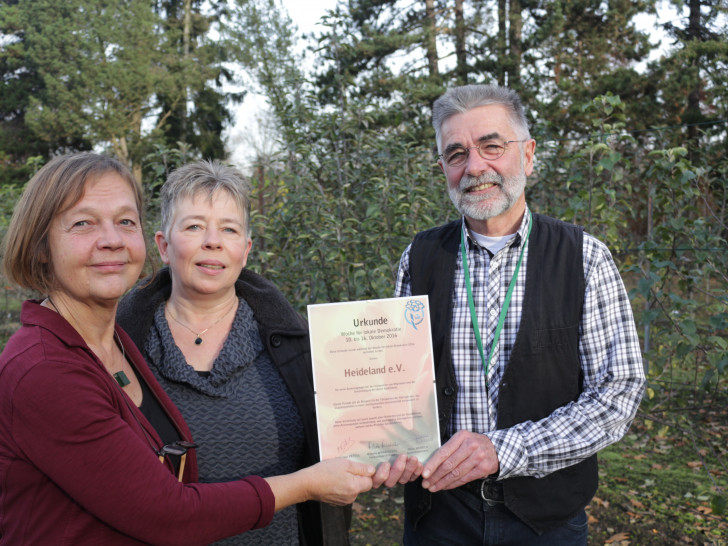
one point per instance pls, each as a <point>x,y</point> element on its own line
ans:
<point>620,538</point>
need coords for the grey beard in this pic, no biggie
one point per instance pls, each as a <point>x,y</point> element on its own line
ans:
<point>510,189</point>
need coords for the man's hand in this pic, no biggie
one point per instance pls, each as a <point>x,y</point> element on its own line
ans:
<point>465,457</point>
<point>404,469</point>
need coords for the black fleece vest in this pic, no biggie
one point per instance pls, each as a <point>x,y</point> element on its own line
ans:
<point>543,373</point>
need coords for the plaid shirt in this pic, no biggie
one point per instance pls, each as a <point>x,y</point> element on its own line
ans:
<point>609,352</point>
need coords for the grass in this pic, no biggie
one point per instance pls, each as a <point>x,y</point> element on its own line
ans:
<point>660,485</point>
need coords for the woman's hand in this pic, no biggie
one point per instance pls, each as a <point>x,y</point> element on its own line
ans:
<point>339,481</point>
<point>334,481</point>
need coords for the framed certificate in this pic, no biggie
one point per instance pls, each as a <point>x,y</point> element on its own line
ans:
<point>374,379</point>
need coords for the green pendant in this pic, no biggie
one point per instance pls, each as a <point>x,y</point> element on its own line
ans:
<point>121,378</point>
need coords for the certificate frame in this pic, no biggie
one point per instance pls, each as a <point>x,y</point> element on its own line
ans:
<point>374,379</point>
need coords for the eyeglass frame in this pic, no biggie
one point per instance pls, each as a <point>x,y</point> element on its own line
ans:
<point>179,448</point>
<point>467,152</point>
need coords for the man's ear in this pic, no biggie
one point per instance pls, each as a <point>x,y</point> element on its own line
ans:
<point>529,148</point>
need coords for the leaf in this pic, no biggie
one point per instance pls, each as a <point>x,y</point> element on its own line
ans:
<point>719,504</point>
<point>689,327</point>
<point>687,175</point>
<point>719,321</point>
<point>619,537</point>
<point>722,366</point>
<point>694,464</point>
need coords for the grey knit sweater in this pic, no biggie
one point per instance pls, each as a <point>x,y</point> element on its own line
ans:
<point>241,415</point>
<point>284,336</point>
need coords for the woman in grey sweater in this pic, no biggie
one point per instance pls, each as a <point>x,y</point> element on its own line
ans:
<point>231,352</point>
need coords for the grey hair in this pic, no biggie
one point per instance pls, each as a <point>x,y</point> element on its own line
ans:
<point>204,177</point>
<point>458,100</point>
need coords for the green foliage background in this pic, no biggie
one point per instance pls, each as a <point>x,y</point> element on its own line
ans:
<point>637,156</point>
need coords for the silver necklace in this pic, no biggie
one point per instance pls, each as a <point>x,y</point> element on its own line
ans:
<point>198,335</point>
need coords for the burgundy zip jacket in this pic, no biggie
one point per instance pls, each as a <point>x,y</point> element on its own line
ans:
<point>77,460</point>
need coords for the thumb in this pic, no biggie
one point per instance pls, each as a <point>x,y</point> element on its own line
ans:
<point>361,469</point>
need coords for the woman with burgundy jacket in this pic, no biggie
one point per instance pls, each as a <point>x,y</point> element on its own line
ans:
<point>92,451</point>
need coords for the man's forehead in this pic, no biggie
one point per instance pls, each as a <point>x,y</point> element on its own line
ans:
<point>490,121</point>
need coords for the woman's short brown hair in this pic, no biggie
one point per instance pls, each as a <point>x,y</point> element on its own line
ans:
<point>203,178</point>
<point>56,187</point>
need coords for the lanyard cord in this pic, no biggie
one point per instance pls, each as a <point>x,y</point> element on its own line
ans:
<point>506,302</point>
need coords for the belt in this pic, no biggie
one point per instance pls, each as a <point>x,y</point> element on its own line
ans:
<point>490,491</point>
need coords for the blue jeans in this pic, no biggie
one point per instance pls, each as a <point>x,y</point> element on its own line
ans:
<point>460,518</point>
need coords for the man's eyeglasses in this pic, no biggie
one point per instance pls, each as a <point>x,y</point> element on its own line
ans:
<point>176,448</point>
<point>488,149</point>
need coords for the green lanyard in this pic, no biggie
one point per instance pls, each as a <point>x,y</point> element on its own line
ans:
<point>506,303</point>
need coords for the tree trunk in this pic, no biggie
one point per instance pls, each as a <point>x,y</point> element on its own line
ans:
<point>260,179</point>
<point>502,44</point>
<point>692,113</point>
<point>515,35</point>
<point>462,64</point>
<point>135,162</point>
<point>186,37</point>
<point>431,37</point>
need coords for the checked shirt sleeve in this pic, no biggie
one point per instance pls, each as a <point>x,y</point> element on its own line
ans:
<point>403,288</point>
<point>613,382</point>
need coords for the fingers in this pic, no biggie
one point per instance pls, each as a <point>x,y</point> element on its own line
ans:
<point>361,469</point>
<point>349,479</point>
<point>465,457</point>
<point>404,469</point>
<point>381,475</point>
<point>439,457</point>
<point>362,479</point>
<point>361,484</point>
<point>398,467</point>
<point>441,462</point>
<point>412,471</point>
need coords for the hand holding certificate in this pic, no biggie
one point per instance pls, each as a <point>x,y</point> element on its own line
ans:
<point>374,379</point>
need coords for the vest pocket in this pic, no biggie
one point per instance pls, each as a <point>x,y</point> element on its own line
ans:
<point>554,337</point>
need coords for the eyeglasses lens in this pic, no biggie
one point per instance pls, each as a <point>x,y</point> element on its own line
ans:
<point>488,150</point>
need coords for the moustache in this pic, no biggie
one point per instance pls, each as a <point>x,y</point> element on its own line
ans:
<point>467,182</point>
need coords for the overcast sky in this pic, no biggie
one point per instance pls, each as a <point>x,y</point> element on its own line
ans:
<point>306,13</point>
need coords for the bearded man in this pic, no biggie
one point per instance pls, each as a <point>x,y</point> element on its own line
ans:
<point>538,363</point>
